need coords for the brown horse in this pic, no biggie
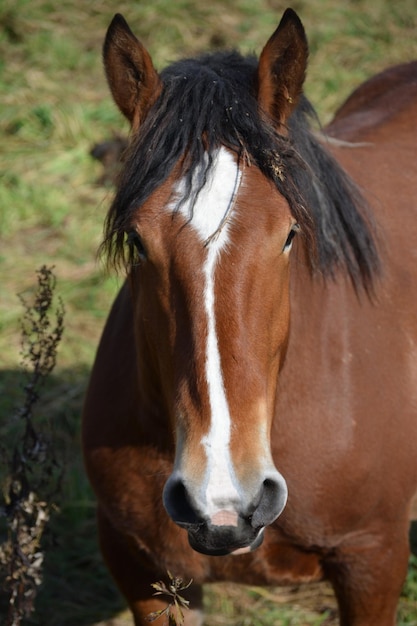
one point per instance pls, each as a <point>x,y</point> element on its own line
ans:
<point>251,414</point>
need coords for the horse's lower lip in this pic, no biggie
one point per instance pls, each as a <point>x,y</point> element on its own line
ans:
<point>214,549</point>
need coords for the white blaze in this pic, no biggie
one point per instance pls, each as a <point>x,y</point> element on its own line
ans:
<point>209,208</point>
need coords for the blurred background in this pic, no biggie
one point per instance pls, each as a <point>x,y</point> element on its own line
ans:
<point>54,109</point>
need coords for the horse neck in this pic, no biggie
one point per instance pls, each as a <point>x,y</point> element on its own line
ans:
<point>323,310</point>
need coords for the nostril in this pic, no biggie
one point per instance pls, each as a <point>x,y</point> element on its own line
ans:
<point>178,504</point>
<point>272,500</point>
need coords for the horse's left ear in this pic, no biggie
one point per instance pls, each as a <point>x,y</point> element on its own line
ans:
<point>281,70</point>
<point>133,80</point>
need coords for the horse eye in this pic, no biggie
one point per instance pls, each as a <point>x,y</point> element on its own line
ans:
<point>136,245</point>
<point>288,244</point>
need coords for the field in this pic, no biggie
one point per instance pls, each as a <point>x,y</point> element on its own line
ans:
<point>54,107</point>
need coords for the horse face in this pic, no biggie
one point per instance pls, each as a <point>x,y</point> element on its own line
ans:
<point>212,308</point>
<point>212,305</point>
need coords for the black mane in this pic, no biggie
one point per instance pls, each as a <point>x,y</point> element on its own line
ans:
<point>211,101</point>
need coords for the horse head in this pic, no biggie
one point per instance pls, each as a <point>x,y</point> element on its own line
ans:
<point>208,236</point>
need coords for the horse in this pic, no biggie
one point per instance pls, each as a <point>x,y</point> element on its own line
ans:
<point>251,413</point>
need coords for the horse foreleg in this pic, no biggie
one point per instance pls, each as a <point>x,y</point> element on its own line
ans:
<point>367,578</point>
<point>134,576</point>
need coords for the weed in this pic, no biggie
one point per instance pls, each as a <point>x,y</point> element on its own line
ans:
<point>176,602</point>
<point>34,472</point>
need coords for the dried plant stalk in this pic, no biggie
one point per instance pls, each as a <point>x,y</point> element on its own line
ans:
<point>34,474</point>
<point>175,602</point>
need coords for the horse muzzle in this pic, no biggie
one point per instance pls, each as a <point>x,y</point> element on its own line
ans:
<point>234,528</point>
<point>223,540</point>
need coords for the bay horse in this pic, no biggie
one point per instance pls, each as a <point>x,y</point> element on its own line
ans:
<point>251,414</point>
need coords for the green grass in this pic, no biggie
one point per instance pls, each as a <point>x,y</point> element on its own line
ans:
<point>54,106</point>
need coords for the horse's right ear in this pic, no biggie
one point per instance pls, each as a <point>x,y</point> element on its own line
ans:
<point>133,80</point>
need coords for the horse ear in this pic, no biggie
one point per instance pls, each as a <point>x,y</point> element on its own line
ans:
<point>133,80</point>
<point>281,70</point>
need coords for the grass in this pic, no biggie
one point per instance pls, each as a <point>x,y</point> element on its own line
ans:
<point>54,107</point>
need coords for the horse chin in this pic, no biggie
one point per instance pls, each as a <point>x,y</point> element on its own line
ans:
<point>223,542</point>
